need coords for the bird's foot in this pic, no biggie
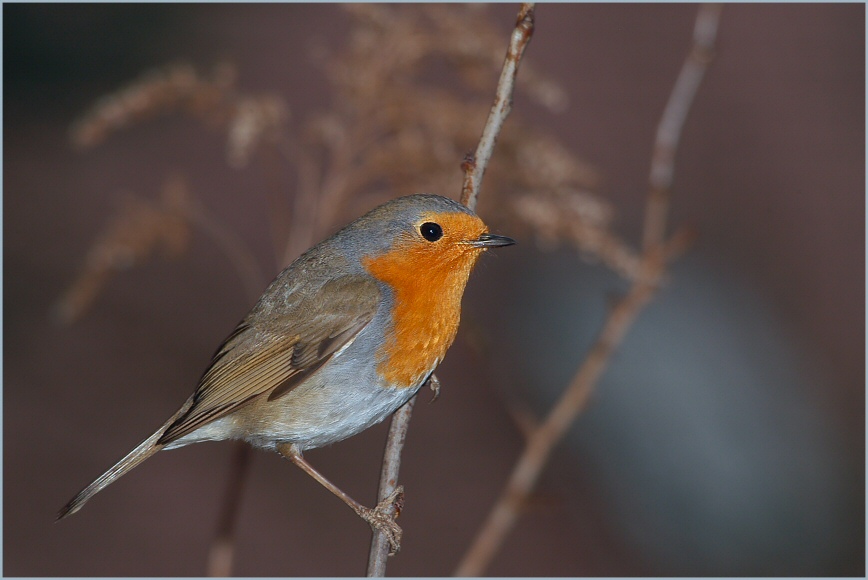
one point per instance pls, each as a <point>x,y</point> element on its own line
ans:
<point>382,518</point>
<point>434,384</point>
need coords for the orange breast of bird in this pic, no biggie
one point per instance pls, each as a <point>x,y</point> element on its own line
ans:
<point>427,281</point>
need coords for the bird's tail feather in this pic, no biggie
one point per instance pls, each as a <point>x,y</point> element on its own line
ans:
<point>144,450</point>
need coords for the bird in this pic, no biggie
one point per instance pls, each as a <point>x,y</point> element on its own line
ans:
<point>339,340</point>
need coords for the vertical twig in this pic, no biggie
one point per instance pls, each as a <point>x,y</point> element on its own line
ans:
<point>388,482</point>
<point>222,550</point>
<point>669,130</point>
<point>233,248</point>
<point>474,168</point>
<point>302,228</point>
<point>541,442</point>
<point>474,165</point>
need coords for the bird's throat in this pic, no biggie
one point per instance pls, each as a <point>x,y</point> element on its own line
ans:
<point>426,311</point>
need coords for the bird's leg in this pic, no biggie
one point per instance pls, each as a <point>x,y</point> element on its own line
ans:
<point>379,518</point>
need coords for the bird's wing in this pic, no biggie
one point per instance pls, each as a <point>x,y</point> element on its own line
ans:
<point>275,355</point>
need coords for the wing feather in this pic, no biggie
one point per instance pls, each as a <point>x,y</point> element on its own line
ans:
<point>271,352</point>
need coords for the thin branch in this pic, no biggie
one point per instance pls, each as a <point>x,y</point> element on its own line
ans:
<point>231,245</point>
<point>655,257</point>
<point>540,444</point>
<point>475,165</point>
<point>222,550</point>
<point>672,122</point>
<point>474,169</point>
<point>303,218</point>
<point>388,482</point>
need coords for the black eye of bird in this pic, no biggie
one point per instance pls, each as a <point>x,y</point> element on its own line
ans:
<point>431,231</point>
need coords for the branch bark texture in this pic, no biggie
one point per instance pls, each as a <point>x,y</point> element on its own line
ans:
<point>388,482</point>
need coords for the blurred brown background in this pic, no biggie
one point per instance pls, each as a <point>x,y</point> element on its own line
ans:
<point>726,438</point>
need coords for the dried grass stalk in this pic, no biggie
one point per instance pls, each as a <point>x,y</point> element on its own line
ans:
<point>139,229</point>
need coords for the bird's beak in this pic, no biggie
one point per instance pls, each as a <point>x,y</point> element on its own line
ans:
<point>491,241</point>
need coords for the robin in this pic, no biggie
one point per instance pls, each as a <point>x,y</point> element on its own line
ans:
<point>341,338</point>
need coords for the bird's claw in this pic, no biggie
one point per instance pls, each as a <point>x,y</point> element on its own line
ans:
<point>434,384</point>
<point>382,518</point>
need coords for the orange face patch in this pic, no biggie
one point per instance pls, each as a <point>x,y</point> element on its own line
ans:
<point>428,280</point>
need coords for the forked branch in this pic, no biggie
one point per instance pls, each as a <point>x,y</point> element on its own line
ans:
<point>657,253</point>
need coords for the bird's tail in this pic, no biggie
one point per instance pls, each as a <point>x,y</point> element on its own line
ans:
<point>144,450</point>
